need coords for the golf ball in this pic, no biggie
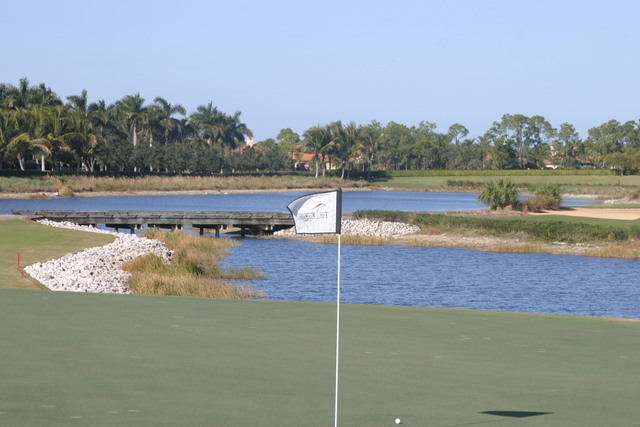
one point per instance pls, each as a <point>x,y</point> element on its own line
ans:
<point>398,420</point>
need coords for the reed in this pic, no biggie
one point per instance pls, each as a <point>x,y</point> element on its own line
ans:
<point>28,184</point>
<point>345,239</point>
<point>88,184</point>
<point>194,269</point>
<point>615,251</point>
<point>65,191</point>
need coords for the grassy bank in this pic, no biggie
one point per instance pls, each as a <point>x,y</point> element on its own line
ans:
<point>37,243</point>
<point>605,185</point>
<point>610,186</point>
<point>544,229</point>
<point>194,269</point>
<point>86,184</point>
<point>107,360</point>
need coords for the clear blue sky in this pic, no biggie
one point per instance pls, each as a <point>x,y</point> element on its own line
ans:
<point>294,64</point>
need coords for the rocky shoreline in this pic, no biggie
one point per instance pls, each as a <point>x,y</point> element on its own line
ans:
<point>98,269</point>
<point>367,227</point>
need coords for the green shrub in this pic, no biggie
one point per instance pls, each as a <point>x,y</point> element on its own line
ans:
<point>540,203</point>
<point>547,197</point>
<point>549,190</point>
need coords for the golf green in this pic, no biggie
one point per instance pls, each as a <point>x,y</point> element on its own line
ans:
<point>113,360</point>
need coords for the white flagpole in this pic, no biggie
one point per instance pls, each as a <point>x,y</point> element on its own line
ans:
<point>337,333</point>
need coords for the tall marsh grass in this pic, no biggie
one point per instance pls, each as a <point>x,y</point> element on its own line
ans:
<point>79,184</point>
<point>28,184</point>
<point>194,269</point>
<point>345,239</point>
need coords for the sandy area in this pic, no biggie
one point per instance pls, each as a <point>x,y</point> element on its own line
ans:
<point>605,213</point>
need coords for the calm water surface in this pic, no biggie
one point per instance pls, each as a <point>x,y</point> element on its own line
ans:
<point>443,277</point>
<point>420,201</point>
<point>270,202</point>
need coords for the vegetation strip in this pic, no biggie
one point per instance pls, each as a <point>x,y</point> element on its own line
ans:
<point>547,231</point>
<point>86,185</point>
<point>39,131</point>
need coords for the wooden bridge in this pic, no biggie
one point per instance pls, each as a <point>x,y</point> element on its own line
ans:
<point>247,222</point>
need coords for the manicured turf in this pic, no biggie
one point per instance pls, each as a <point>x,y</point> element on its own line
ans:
<point>618,223</point>
<point>569,182</point>
<point>113,360</point>
<point>37,243</point>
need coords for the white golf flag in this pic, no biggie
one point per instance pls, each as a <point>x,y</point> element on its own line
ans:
<point>317,213</point>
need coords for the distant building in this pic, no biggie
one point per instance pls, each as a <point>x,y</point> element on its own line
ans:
<point>305,162</point>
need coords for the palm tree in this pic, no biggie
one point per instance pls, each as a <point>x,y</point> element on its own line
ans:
<point>82,141</point>
<point>208,122</point>
<point>368,143</point>
<point>167,111</point>
<point>79,102</point>
<point>234,132</point>
<point>215,126</point>
<point>25,96</point>
<point>19,97</point>
<point>133,109</point>
<point>100,116</point>
<point>316,140</point>
<point>343,142</point>
<point>55,118</point>
<point>7,132</point>
<point>32,138</point>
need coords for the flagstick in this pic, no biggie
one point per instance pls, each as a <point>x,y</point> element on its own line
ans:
<point>337,333</point>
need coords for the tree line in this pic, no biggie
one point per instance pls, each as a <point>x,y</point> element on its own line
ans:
<point>38,130</point>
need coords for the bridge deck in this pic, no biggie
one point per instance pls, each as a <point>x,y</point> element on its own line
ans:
<point>251,222</point>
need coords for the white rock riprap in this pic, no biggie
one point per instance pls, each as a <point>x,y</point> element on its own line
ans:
<point>96,269</point>
<point>73,226</point>
<point>367,227</point>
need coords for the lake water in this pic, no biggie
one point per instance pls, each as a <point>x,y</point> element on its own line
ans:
<point>268,202</point>
<point>421,201</point>
<point>401,275</point>
<point>443,277</point>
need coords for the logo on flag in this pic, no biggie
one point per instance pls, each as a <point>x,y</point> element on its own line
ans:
<point>317,213</point>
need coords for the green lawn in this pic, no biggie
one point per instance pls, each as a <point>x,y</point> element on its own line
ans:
<point>618,223</point>
<point>113,360</point>
<point>37,243</point>
<point>575,183</point>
